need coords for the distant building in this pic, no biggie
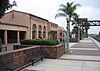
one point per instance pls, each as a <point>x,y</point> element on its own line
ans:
<point>61,34</point>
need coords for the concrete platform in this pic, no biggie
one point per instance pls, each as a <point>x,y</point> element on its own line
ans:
<point>85,56</point>
<point>64,65</point>
<point>81,58</point>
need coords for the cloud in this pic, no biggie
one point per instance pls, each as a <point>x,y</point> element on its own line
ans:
<point>89,12</point>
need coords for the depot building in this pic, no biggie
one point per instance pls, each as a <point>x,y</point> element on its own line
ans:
<point>16,26</point>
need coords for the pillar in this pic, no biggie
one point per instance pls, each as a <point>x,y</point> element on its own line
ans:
<point>18,39</point>
<point>78,34</point>
<point>42,32</point>
<point>37,32</point>
<point>5,36</point>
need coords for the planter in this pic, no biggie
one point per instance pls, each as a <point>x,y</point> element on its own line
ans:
<point>50,51</point>
<point>53,51</point>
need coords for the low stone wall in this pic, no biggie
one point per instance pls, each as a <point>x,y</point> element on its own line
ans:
<point>50,51</point>
<point>18,58</point>
<point>53,51</point>
<point>15,47</point>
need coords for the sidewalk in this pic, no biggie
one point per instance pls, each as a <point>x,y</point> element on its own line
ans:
<point>64,65</point>
<point>87,47</point>
<point>72,62</point>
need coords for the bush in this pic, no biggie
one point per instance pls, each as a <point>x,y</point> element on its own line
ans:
<point>39,42</point>
<point>73,40</point>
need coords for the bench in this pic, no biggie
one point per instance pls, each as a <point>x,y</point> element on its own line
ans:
<point>38,56</point>
<point>9,69</point>
<point>34,60</point>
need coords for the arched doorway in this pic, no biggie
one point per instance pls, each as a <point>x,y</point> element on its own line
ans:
<point>40,31</point>
<point>44,32</point>
<point>34,31</point>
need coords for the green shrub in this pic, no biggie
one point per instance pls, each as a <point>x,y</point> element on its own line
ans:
<point>54,42</point>
<point>28,42</point>
<point>73,40</point>
<point>39,42</point>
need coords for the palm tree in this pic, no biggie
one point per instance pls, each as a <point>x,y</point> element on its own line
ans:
<point>67,11</point>
<point>75,23</point>
<point>86,26</point>
<point>77,27</point>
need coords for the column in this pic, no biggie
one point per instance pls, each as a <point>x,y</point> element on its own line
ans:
<point>78,34</point>
<point>5,36</point>
<point>18,39</point>
<point>37,32</point>
<point>42,32</point>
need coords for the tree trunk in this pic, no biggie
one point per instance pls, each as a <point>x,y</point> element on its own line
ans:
<point>68,30</point>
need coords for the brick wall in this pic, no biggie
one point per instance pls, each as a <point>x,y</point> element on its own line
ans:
<point>16,58</point>
<point>50,51</point>
<point>53,51</point>
<point>21,57</point>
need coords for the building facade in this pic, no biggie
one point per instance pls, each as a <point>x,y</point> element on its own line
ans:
<point>16,26</point>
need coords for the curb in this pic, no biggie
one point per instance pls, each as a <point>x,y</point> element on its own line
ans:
<point>95,41</point>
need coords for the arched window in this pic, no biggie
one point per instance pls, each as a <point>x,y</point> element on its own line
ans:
<point>44,32</point>
<point>34,31</point>
<point>40,31</point>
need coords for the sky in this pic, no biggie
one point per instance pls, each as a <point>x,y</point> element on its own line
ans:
<point>47,9</point>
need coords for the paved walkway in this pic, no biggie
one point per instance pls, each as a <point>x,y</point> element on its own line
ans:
<point>85,56</point>
<point>86,47</point>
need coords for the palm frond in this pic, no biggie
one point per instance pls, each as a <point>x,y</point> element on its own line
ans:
<point>67,10</point>
<point>76,5</point>
<point>60,15</point>
<point>73,22</point>
<point>72,3</point>
<point>75,16</point>
<point>63,6</point>
<point>70,8</point>
<point>62,10</point>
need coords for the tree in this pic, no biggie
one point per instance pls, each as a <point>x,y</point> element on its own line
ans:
<point>5,5</point>
<point>75,22</point>
<point>86,26</point>
<point>77,27</point>
<point>67,11</point>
